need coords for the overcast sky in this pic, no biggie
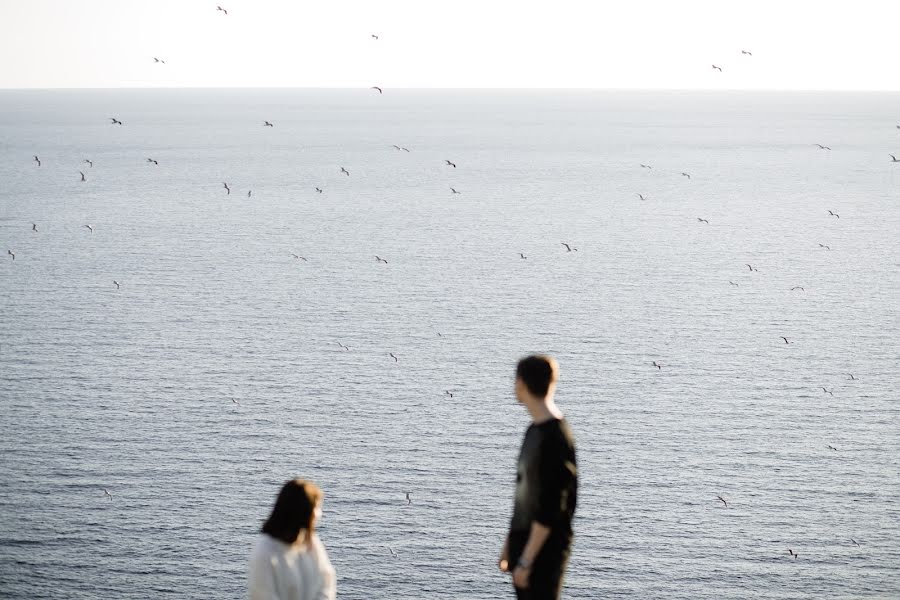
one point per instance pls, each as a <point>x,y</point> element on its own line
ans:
<point>796,44</point>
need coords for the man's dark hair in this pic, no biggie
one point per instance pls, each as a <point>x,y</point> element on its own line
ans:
<point>293,516</point>
<point>538,372</point>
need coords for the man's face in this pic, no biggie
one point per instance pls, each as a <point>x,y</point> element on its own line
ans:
<point>521,390</point>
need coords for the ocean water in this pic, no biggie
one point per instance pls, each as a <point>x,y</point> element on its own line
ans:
<point>214,372</point>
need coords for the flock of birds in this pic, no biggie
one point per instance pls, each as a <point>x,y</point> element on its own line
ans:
<point>568,247</point>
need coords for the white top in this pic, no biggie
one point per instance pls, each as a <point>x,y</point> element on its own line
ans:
<point>279,571</point>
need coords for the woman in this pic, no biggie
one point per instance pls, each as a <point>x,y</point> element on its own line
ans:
<point>289,562</point>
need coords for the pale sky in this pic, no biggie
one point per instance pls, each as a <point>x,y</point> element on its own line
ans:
<point>813,45</point>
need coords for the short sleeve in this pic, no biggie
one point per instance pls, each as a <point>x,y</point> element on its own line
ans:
<point>556,472</point>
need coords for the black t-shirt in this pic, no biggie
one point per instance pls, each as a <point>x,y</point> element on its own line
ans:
<point>546,485</point>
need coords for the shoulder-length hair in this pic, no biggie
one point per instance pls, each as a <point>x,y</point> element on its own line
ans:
<point>294,514</point>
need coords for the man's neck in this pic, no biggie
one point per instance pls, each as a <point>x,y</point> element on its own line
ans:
<point>543,410</point>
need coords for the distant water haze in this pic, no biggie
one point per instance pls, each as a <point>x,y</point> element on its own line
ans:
<point>211,370</point>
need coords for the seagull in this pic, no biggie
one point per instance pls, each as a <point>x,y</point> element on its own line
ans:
<point>83,178</point>
<point>222,9</point>
<point>821,147</point>
<point>747,53</point>
<point>158,60</point>
<point>405,149</point>
<point>91,228</point>
<point>154,161</point>
<point>234,401</point>
<point>374,36</point>
<point>379,259</point>
<point>798,287</point>
<point>723,500</point>
<point>345,171</point>
<point>834,214</point>
<point>824,246</point>
<point>785,340</point>
<point>375,87</point>
<point>452,164</point>
<point>115,121</point>
<point>717,68</point>
<point>343,346</point>
<point>454,190</point>
<point>752,268</point>
<point>227,189</point>
<point>117,283</point>
<point>388,547</point>
<point>397,360</point>
<point>569,248</point>
<point>686,175</point>
<point>830,447</point>
<point>448,393</point>
<point>827,391</point>
<point>11,253</point>
<point>894,158</point>
<point>657,365</point>
<point>522,256</point>
<point>108,494</point>
<point>408,499</point>
<point>792,553</point>
<point>319,190</point>
<point>734,284</point>
<point>34,227</point>
<point>852,378</point>
<point>298,257</point>
<point>641,196</point>
<point>643,166</point>
<point>854,541</point>
<point>249,193</point>
<point>703,220</point>
<point>90,163</point>
<point>37,160</point>
<point>268,124</point>
<point>396,147</point>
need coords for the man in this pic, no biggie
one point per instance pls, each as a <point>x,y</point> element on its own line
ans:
<point>540,532</point>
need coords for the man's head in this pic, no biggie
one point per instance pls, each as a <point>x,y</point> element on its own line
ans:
<point>536,377</point>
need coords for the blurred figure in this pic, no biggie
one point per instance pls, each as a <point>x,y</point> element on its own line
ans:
<point>540,533</point>
<point>289,562</point>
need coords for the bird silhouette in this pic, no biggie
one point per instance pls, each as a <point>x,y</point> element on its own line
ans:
<point>375,87</point>
<point>798,287</point>
<point>11,253</point>
<point>37,160</point>
<point>379,259</point>
<point>90,227</point>
<point>374,36</point>
<point>298,257</point>
<point>834,214</point>
<point>719,69</point>
<point>733,283</point>
<point>343,346</point>
<point>408,499</point>
<point>821,147</point>
<point>786,341</point>
<point>108,494</point>
<point>830,447</point>
<point>90,163</point>
<point>114,121</point>
<point>452,164</point>
<point>153,160</point>
<point>116,283</point>
<point>752,268</point>
<point>746,52</point>
<point>641,196</point>
<point>686,175</point>
<point>268,124</point>
<point>827,391</point>
<point>792,553</point>
<point>227,189</point>
<point>392,551</point>
<point>703,220</point>
<point>222,9</point>
<point>569,248</point>
<point>454,190</point>
<point>643,166</point>
<point>34,227</point>
<point>894,158</point>
<point>249,193</point>
<point>854,541</point>
<point>448,393</point>
<point>824,246</point>
<point>852,377</point>
<point>657,365</point>
<point>319,190</point>
<point>395,360</point>
<point>723,500</point>
<point>345,171</point>
<point>83,178</point>
<point>159,60</point>
<point>522,256</point>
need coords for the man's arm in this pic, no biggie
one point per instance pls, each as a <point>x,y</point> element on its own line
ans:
<point>536,539</point>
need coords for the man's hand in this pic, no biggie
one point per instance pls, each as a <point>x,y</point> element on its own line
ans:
<point>503,562</point>
<point>520,577</point>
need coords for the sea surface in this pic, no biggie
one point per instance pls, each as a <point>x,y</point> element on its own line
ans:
<point>214,372</point>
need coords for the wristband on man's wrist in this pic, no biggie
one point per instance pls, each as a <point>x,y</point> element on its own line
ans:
<point>524,563</point>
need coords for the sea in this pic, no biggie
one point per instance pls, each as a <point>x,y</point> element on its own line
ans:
<point>215,368</point>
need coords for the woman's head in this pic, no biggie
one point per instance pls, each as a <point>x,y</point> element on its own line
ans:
<point>294,514</point>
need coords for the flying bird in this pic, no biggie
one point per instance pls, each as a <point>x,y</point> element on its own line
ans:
<point>222,9</point>
<point>641,196</point>
<point>249,193</point>
<point>792,553</point>
<point>91,228</point>
<point>452,164</point>
<point>785,340</point>
<point>158,60</point>
<point>392,550</point>
<point>643,166</point>
<point>685,175</point>
<point>747,53</point>
<point>830,447</point>
<point>454,190</point>
<point>375,87</point>
<point>397,360</point>
<point>821,147</point>
<point>11,253</point>
<point>319,190</point>
<point>108,494</point>
<point>343,346</point>
<point>115,121</point>
<point>379,259</point>
<point>752,268</point>
<point>733,283</point>
<point>798,287</point>
<point>851,539</point>
<point>521,255</point>
<point>827,391</point>
<point>719,69</point>
<point>723,500</point>
<point>34,227</point>
<point>408,499</point>
<point>268,124</point>
<point>834,214</point>
<point>405,149</point>
<point>298,257</point>
<point>227,189</point>
<point>703,220</point>
<point>852,377</point>
<point>894,158</point>
<point>153,160</point>
<point>83,178</point>
<point>345,171</point>
<point>569,248</point>
<point>448,393</point>
<point>824,246</point>
<point>117,283</point>
<point>90,163</point>
<point>37,160</point>
<point>374,36</point>
<point>657,365</point>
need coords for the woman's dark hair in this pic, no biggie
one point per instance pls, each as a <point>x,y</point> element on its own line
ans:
<point>538,372</point>
<point>293,515</point>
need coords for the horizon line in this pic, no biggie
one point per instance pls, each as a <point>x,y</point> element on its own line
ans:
<point>449,89</point>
